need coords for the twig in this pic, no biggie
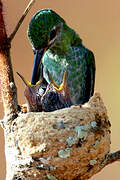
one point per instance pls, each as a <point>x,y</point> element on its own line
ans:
<point>21,19</point>
<point>112,157</point>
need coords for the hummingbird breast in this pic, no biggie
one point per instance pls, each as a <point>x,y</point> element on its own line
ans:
<point>77,67</point>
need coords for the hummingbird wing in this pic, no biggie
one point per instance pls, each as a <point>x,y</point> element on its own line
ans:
<point>81,75</point>
<point>90,75</point>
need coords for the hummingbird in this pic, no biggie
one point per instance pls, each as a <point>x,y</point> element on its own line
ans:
<point>46,97</point>
<point>58,47</point>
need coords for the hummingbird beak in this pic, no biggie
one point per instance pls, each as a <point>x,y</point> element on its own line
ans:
<point>38,54</point>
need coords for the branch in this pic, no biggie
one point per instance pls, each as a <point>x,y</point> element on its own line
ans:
<point>112,158</point>
<point>21,19</point>
<point>7,85</point>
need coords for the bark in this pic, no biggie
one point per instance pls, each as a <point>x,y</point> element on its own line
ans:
<point>7,85</point>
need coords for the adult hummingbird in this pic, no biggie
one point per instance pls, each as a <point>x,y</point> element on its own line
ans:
<point>58,47</point>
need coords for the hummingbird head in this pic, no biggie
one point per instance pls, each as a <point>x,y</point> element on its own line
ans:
<point>47,30</point>
<point>44,27</point>
<point>43,31</point>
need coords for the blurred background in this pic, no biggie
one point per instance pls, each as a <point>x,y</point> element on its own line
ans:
<point>98,24</point>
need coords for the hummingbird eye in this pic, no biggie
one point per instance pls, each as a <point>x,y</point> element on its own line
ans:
<point>52,34</point>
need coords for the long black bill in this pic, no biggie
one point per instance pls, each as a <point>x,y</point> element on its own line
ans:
<point>38,54</point>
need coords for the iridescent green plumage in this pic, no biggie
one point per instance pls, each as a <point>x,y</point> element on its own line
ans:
<point>63,50</point>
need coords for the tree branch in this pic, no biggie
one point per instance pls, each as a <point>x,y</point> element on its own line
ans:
<point>112,157</point>
<point>21,19</point>
<point>7,85</point>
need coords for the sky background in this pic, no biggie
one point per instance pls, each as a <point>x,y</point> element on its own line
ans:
<point>98,25</point>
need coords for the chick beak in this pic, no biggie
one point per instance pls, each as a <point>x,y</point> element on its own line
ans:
<point>62,89</point>
<point>38,54</point>
<point>30,93</point>
<point>27,83</point>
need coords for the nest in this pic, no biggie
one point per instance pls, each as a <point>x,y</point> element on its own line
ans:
<point>70,143</point>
